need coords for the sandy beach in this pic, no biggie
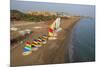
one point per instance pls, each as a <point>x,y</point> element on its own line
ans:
<point>52,53</point>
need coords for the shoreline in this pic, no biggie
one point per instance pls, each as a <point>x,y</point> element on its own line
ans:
<point>68,40</point>
<point>77,42</point>
<point>52,53</point>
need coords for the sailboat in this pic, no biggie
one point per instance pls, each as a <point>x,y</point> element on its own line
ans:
<point>54,28</point>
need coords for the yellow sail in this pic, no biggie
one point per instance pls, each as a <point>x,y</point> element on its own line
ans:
<point>51,29</point>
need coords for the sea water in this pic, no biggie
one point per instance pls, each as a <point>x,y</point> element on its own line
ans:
<point>83,41</point>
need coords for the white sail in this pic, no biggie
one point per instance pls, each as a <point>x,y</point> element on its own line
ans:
<point>58,23</point>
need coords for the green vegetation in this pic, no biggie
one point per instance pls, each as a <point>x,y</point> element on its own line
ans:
<point>19,16</point>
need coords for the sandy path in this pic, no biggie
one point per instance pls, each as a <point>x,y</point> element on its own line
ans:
<point>23,23</point>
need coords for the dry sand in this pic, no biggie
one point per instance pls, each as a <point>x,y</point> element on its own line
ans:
<point>52,53</point>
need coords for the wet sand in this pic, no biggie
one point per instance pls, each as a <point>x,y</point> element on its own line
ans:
<point>53,52</point>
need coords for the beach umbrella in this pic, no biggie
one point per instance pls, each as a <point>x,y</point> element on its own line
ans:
<point>44,40</point>
<point>37,43</point>
<point>45,36</point>
<point>27,42</point>
<point>27,50</point>
<point>27,46</point>
<point>39,40</point>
